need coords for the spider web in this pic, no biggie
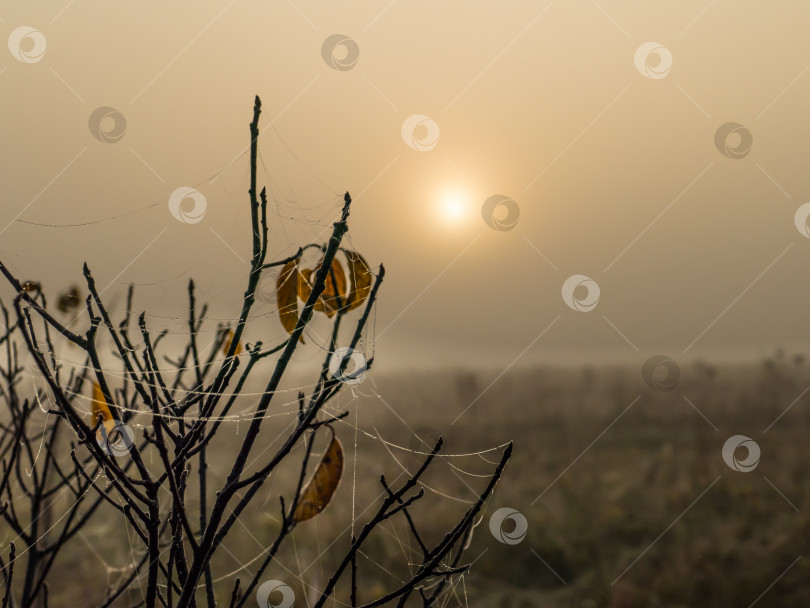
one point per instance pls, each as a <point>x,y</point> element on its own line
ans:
<point>315,220</point>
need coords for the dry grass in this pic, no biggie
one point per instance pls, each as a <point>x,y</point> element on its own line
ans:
<point>606,510</point>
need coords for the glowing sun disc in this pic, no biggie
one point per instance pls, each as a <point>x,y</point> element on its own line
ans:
<point>454,208</point>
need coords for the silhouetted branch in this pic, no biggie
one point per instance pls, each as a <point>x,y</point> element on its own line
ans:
<point>146,444</point>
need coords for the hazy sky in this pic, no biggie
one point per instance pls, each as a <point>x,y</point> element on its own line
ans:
<point>612,161</point>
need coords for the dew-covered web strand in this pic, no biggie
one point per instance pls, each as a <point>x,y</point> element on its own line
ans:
<point>234,285</point>
<point>236,282</point>
<point>164,201</point>
<point>249,414</point>
<point>133,551</point>
<point>107,568</point>
<point>123,214</point>
<point>41,443</point>
<point>234,303</point>
<point>368,340</point>
<point>407,550</point>
<point>302,163</point>
<point>239,188</point>
<point>301,571</point>
<point>137,579</point>
<point>121,374</point>
<point>56,523</point>
<point>300,575</point>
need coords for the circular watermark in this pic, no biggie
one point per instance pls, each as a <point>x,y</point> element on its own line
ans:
<point>653,60</point>
<point>800,219</point>
<point>661,373</point>
<point>107,125</point>
<point>27,44</point>
<point>580,293</point>
<point>196,213</point>
<point>284,596</point>
<point>733,140</point>
<point>500,212</point>
<point>353,371</point>
<point>420,132</point>
<point>266,289</point>
<point>340,52</point>
<point>116,439</point>
<point>750,462</point>
<point>517,534</point>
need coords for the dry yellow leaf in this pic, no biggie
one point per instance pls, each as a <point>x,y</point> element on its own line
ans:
<point>360,279</point>
<point>335,284</point>
<point>287,296</point>
<point>305,280</point>
<point>334,293</point>
<point>305,287</point>
<point>99,406</point>
<point>227,345</point>
<point>319,490</point>
<point>334,288</point>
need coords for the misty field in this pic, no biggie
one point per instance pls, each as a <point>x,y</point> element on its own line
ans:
<point>636,506</point>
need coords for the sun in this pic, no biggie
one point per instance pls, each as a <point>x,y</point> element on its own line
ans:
<point>454,207</point>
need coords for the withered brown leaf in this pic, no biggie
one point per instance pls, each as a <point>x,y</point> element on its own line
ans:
<point>227,345</point>
<point>333,296</point>
<point>287,286</point>
<point>321,487</point>
<point>359,278</point>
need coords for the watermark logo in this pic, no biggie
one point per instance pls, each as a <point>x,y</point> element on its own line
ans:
<point>420,132</point>
<point>107,125</point>
<point>653,60</point>
<point>733,140</point>
<point>283,595</point>
<point>117,439</point>
<point>196,213</point>
<point>502,515</point>
<point>580,293</point>
<point>500,212</point>
<point>750,462</point>
<point>27,44</point>
<point>266,289</point>
<point>340,52</point>
<point>353,371</point>
<point>800,219</point>
<point>661,373</point>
